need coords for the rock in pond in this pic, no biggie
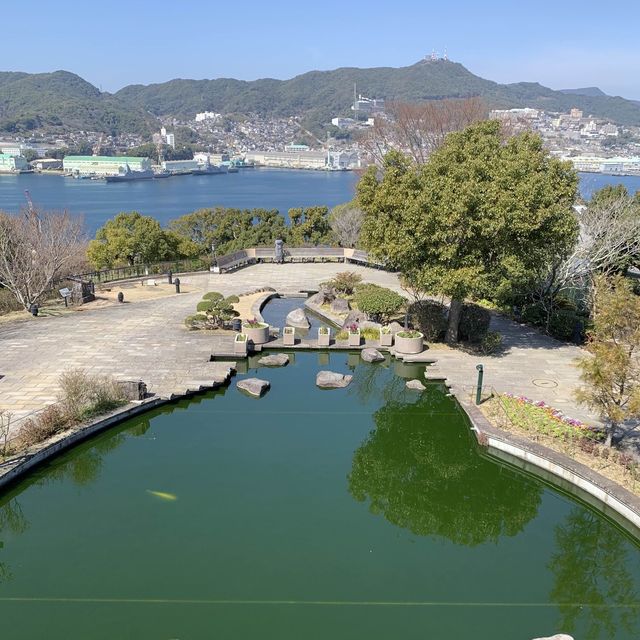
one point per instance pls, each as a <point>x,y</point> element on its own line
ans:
<point>253,386</point>
<point>371,355</point>
<point>332,380</point>
<point>340,305</point>
<point>277,360</point>
<point>416,385</point>
<point>298,318</point>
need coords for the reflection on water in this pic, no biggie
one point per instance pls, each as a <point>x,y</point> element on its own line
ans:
<point>13,522</point>
<point>591,564</point>
<point>432,481</point>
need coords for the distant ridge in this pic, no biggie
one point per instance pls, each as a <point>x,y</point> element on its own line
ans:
<point>62,99</point>
<point>585,91</point>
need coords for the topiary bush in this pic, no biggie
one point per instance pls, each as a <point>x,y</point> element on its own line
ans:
<point>203,305</point>
<point>430,317</point>
<point>344,282</point>
<point>378,302</point>
<point>213,296</point>
<point>474,323</point>
<point>491,343</point>
<point>562,324</point>
<point>232,299</point>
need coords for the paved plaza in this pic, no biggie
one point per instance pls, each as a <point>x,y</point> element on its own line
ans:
<point>147,340</point>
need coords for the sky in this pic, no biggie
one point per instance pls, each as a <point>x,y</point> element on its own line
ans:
<point>113,44</point>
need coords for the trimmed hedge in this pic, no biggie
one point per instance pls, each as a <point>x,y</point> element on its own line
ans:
<point>214,296</point>
<point>431,319</point>
<point>474,323</point>
<point>378,302</point>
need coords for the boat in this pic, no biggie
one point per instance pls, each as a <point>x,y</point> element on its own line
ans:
<point>208,170</point>
<point>232,169</point>
<point>241,163</point>
<point>161,174</point>
<point>127,175</point>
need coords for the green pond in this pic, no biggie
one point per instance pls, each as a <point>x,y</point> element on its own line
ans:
<point>366,512</point>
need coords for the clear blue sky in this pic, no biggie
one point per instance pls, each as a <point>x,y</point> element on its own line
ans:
<point>115,43</point>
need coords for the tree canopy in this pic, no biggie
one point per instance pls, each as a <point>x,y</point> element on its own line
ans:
<point>129,238</point>
<point>477,218</point>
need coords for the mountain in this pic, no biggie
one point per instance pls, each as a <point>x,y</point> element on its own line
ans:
<point>585,91</point>
<point>321,95</point>
<point>63,100</point>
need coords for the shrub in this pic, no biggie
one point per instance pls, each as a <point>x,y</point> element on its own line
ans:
<point>47,423</point>
<point>345,282</point>
<point>533,314</point>
<point>232,299</point>
<point>253,323</point>
<point>431,318</point>
<point>490,343</point>
<point>370,333</point>
<point>8,302</point>
<point>214,296</point>
<point>203,306</point>
<point>378,302</point>
<point>409,334</point>
<point>343,334</point>
<point>562,324</point>
<point>83,395</point>
<point>195,321</point>
<point>474,323</point>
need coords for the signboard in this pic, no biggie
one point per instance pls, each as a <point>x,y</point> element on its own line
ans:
<point>65,293</point>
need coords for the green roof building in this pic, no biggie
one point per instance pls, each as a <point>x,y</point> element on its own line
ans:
<point>104,165</point>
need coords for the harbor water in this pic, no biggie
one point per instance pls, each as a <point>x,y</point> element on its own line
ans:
<point>282,189</point>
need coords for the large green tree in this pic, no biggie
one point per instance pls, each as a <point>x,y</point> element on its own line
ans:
<point>129,238</point>
<point>478,218</point>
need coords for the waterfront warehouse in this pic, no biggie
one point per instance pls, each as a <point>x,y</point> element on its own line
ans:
<point>104,165</point>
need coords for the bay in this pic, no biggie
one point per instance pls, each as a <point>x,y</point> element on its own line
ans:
<point>165,200</point>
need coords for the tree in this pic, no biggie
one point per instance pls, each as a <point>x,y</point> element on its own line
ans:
<point>309,226</point>
<point>612,375</point>
<point>228,229</point>
<point>36,249</point>
<point>478,218</point>
<point>417,130</point>
<point>129,238</point>
<point>346,221</point>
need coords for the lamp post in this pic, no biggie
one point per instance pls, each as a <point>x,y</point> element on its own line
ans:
<point>214,262</point>
<point>480,369</point>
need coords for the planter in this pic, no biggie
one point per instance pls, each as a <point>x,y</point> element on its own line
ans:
<point>324,339</point>
<point>257,335</point>
<point>409,345</point>
<point>240,345</point>
<point>386,339</point>
<point>354,338</point>
<point>288,336</point>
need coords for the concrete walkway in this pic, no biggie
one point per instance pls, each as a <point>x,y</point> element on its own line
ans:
<point>148,340</point>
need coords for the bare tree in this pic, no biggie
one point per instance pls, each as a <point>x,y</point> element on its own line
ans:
<point>346,221</point>
<point>419,129</point>
<point>35,250</point>
<point>609,239</point>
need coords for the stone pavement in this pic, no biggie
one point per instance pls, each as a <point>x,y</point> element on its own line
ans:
<point>148,340</point>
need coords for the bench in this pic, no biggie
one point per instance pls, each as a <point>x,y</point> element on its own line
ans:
<point>234,260</point>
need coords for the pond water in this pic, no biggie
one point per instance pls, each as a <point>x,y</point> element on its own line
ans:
<point>366,512</point>
<point>275,312</point>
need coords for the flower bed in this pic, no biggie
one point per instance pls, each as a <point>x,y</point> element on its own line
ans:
<point>546,419</point>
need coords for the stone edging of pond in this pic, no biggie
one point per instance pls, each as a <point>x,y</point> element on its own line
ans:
<point>616,498</point>
<point>256,307</point>
<point>336,321</point>
<point>14,468</point>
